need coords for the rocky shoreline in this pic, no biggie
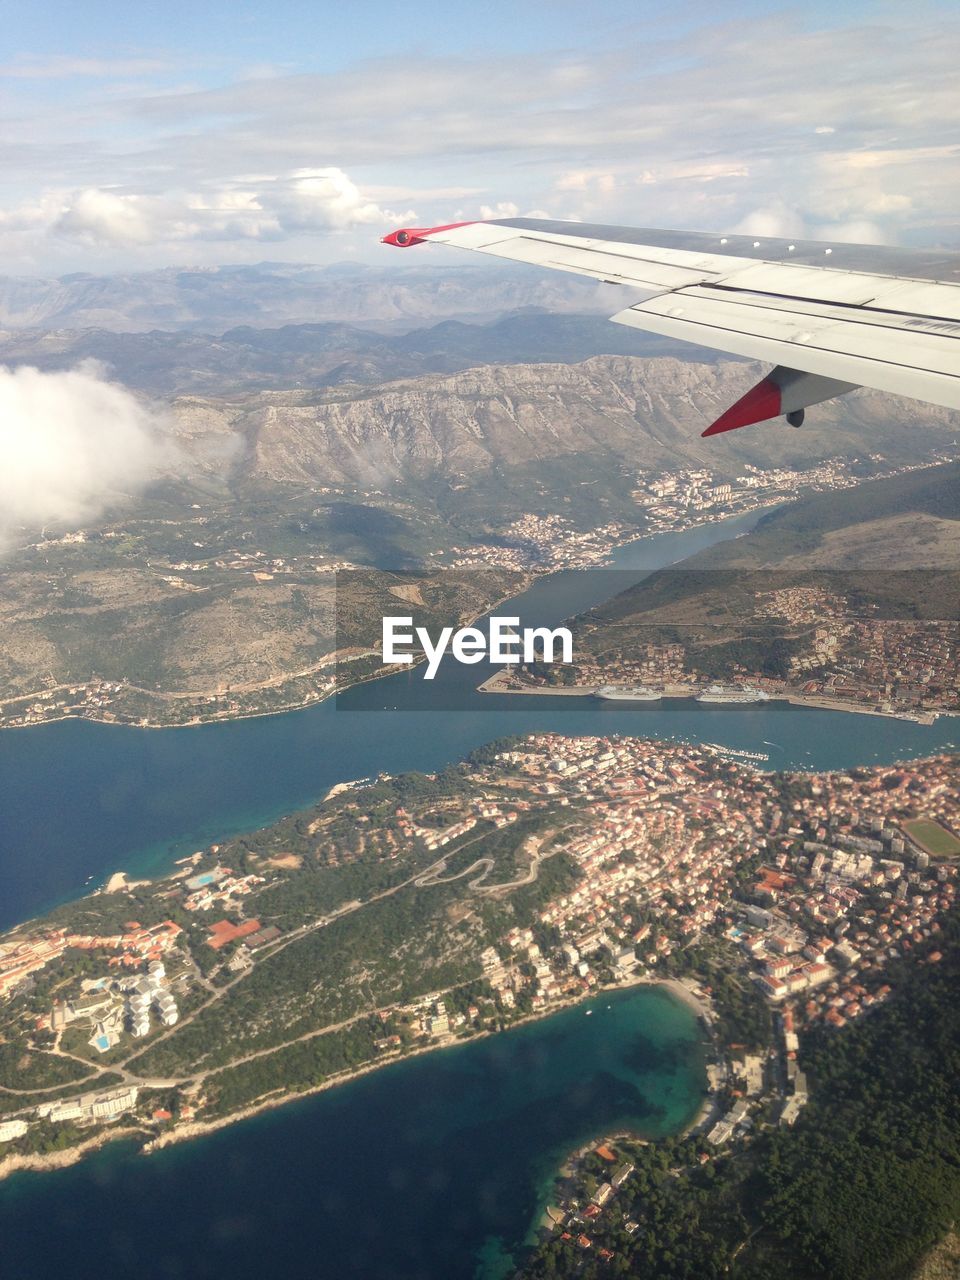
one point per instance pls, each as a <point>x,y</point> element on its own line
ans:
<point>46,1161</point>
<point>186,1131</point>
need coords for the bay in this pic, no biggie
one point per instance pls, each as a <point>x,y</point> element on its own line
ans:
<point>79,800</point>
<point>430,1169</point>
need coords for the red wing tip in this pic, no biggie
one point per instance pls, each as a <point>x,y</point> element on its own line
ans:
<point>761,402</point>
<point>719,427</point>
<point>407,236</point>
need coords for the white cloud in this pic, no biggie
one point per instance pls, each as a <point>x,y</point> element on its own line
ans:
<point>70,444</point>
<point>66,66</point>
<point>264,207</point>
<point>772,220</point>
<point>503,209</point>
<point>317,199</point>
<point>854,231</point>
<point>728,121</point>
<point>102,217</point>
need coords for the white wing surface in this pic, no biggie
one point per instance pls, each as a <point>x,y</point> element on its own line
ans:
<point>832,317</point>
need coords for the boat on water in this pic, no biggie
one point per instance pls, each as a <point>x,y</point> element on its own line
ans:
<point>627,693</point>
<point>732,693</point>
<point>739,753</point>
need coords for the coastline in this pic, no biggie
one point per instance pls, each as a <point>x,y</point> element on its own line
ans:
<point>47,1161</point>
<point>197,1128</point>
<point>119,882</point>
<point>15,1163</point>
<point>496,683</point>
<point>701,1007</point>
<point>814,701</point>
<point>529,576</point>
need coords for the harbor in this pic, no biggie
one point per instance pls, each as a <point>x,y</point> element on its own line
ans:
<point>506,682</point>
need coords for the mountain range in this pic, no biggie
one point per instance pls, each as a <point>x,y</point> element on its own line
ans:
<point>165,363</point>
<point>555,427</point>
<point>270,294</point>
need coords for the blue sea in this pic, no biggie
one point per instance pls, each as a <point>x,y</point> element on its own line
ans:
<point>431,1169</point>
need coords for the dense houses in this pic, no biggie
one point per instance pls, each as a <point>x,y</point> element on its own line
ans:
<point>845,655</point>
<point>837,887</point>
<point>547,543</point>
<point>668,501</point>
<point>856,654</point>
<point>841,887</point>
<point>679,844</point>
<point>678,499</point>
<point>21,958</point>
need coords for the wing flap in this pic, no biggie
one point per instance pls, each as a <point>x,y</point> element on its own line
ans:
<point>847,288</point>
<point>870,354</point>
<point>784,279</point>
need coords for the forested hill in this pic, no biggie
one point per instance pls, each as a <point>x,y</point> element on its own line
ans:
<point>905,521</point>
<point>870,1177</point>
<point>860,1189</point>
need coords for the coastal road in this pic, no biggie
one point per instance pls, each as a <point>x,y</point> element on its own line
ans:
<point>480,869</point>
<point>217,993</point>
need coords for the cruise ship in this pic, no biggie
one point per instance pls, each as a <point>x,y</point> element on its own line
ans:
<point>627,693</point>
<point>731,693</point>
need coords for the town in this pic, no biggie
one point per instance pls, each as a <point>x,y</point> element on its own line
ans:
<point>774,903</point>
<point>666,503</point>
<point>836,651</point>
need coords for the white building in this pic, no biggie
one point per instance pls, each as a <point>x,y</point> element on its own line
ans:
<point>104,1106</point>
<point>10,1129</point>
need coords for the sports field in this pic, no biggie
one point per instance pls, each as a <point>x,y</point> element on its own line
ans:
<point>936,840</point>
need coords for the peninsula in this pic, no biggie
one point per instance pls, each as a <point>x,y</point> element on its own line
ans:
<point>419,910</point>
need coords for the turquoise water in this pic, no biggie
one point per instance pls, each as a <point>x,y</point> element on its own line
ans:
<point>432,1169</point>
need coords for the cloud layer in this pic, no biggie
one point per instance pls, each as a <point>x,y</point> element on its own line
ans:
<point>777,123</point>
<point>72,443</point>
<point>311,201</point>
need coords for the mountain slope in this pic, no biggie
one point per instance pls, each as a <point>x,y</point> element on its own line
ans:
<point>907,521</point>
<point>647,413</point>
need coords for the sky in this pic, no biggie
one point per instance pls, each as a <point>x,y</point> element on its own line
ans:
<point>136,136</point>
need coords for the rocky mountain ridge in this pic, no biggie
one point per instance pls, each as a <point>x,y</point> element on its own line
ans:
<point>644,414</point>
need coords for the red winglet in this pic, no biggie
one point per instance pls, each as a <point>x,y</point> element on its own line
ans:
<point>761,402</point>
<point>408,236</point>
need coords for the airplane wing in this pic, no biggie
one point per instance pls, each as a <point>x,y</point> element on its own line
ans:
<point>832,317</point>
